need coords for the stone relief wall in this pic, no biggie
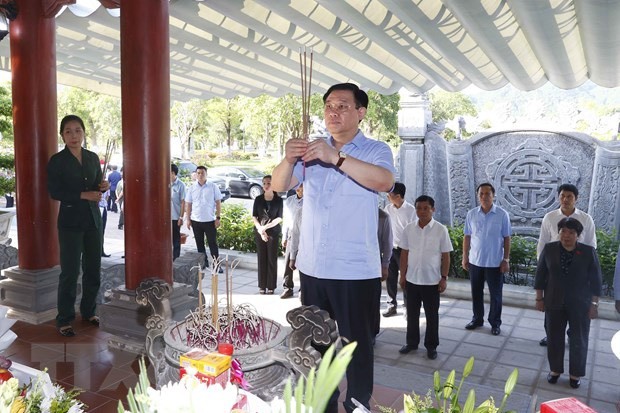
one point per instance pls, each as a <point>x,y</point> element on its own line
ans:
<point>525,167</point>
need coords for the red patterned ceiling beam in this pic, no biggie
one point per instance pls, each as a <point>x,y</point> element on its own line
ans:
<point>111,4</point>
<point>52,7</point>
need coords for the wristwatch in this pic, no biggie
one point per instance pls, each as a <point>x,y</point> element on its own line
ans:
<point>342,157</point>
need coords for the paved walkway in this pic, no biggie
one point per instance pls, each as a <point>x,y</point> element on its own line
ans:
<point>496,356</point>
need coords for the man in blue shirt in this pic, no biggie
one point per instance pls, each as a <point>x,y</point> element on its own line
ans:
<point>338,260</point>
<point>114,178</point>
<point>177,209</point>
<point>486,251</point>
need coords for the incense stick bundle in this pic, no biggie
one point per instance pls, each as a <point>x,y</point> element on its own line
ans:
<point>110,146</point>
<point>306,90</point>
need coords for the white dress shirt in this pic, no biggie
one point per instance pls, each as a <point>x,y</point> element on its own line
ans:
<point>549,228</point>
<point>400,218</point>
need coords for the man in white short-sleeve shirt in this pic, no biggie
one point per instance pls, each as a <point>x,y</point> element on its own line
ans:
<point>424,266</point>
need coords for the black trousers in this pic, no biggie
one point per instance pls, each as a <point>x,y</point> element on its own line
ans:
<point>267,254</point>
<point>392,280</point>
<point>112,202</point>
<point>351,303</point>
<point>76,246</point>
<point>176,239</point>
<point>202,229</point>
<point>495,282</point>
<point>578,319</point>
<point>428,296</point>
<point>287,281</point>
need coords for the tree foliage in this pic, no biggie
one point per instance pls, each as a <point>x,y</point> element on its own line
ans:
<point>447,106</point>
<point>101,115</point>
<point>186,120</point>
<point>6,113</point>
<point>381,121</point>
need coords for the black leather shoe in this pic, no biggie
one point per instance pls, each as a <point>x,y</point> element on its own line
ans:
<point>543,342</point>
<point>287,293</point>
<point>495,331</point>
<point>104,255</point>
<point>552,378</point>
<point>574,383</point>
<point>432,354</point>
<point>390,312</point>
<point>472,325</point>
<point>406,349</point>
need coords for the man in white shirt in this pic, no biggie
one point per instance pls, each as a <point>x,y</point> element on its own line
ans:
<point>424,265</point>
<point>292,206</point>
<point>401,214</point>
<point>567,195</point>
<point>203,204</point>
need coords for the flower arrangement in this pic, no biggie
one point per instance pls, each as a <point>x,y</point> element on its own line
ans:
<point>190,395</point>
<point>447,396</point>
<point>38,397</point>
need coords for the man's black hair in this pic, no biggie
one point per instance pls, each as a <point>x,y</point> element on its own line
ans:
<point>174,169</point>
<point>425,198</point>
<point>361,98</point>
<point>486,184</point>
<point>570,223</point>
<point>569,188</point>
<point>201,167</point>
<point>399,189</point>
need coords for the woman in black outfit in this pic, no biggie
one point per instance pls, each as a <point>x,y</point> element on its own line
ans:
<point>74,178</point>
<point>568,285</point>
<point>267,216</point>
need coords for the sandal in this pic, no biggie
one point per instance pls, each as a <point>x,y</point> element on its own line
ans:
<point>94,320</point>
<point>66,331</point>
<point>270,292</point>
<point>261,291</point>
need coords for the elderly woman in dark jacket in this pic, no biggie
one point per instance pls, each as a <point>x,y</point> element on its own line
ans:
<point>568,286</point>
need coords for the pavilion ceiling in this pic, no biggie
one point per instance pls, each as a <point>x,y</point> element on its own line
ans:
<point>229,47</point>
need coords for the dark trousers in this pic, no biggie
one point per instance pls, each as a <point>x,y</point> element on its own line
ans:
<point>578,320</point>
<point>351,303</point>
<point>112,202</point>
<point>392,280</point>
<point>427,295</point>
<point>267,254</point>
<point>287,281</point>
<point>202,229</point>
<point>495,281</point>
<point>76,246</point>
<point>104,221</point>
<point>176,239</point>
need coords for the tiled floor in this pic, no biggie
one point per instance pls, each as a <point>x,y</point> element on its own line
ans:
<point>83,361</point>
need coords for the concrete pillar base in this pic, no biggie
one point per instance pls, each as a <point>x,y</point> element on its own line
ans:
<point>125,319</point>
<point>31,295</point>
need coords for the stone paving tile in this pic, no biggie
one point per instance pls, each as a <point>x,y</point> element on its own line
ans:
<point>522,360</point>
<point>604,406</point>
<point>604,391</point>
<point>527,377</point>
<point>610,373</point>
<point>479,353</point>
<point>457,363</point>
<point>486,339</point>
<point>451,333</point>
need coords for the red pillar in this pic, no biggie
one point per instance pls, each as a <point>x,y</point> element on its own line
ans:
<point>33,67</point>
<point>145,96</point>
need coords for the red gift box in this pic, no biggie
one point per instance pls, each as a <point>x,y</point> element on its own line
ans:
<point>567,405</point>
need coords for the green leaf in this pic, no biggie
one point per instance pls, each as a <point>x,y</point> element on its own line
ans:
<point>471,400</point>
<point>299,391</point>
<point>287,396</point>
<point>329,375</point>
<point>449,385</point>
<point>408,405</point>
<point>469,366</point>
<point>511,382</point>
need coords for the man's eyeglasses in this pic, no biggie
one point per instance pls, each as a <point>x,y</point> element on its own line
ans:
<point>338,107</point>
